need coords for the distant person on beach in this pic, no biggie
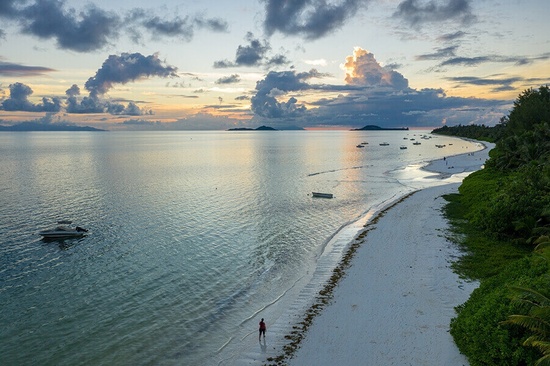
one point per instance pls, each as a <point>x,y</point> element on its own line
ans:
<point>262,329</point>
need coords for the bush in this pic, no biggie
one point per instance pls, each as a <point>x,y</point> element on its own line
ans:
<point>478,330</point>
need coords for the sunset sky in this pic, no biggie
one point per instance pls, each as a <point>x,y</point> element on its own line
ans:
<point>204,65</point>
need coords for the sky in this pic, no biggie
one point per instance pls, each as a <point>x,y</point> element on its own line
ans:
<point>313,64</point>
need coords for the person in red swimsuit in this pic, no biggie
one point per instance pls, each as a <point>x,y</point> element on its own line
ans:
<point>263,328</point>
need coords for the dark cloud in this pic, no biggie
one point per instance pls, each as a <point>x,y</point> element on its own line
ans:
<point>232,79</point>
<point>373,95</point>
<point>117,70</point>
<point>125,68</point>
<point>440,53</point>
<point>417,12</point>
<point>73,91</point>
<point>159,26</point>
<point>276,84</point>
<point>451,36</point>
<point>7,8</point>
<point>18,101</point>
<point>499,84</point>
<point>478,60</point>
<point>9,69</point>
<point>83,31</point>
<point>255,53</point>
<point>213,24</point>
<point>311,19</point>
<point>177,27</point>
<point>93,28</point>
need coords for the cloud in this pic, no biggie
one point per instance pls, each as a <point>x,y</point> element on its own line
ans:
<point>417,12</point>
<point>18,101</point>
<point>253,54</point>
<point>183,28</point>
<point>10,69</point>
<point>362,69</point>
<point>232,79</point>
<point>311,19</point>
<point>451,36</point>
<point>439,54</point>
<point>475,61</point>
<point>7,7</point>
<point>125,68</point>
<point>92,28</point>
<point>372,95</point>
<point>265,103</point>
<point>117,70</point>
<point>499,84</point>
<point>85,31</point>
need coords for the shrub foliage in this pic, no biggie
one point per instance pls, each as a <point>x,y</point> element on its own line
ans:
<point>501,212</point>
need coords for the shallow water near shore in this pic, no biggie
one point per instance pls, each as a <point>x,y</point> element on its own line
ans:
<point>193,235</point>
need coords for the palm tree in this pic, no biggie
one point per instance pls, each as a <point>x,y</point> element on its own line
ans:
<point>538,319</point>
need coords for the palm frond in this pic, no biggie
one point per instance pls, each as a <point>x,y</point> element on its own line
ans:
<point>529,295</point>
<point>526,321</point>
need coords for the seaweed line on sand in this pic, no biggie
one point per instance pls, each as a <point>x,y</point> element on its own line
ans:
<point>325,295</point>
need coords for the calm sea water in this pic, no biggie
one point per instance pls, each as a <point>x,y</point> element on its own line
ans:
<point>193,235</point>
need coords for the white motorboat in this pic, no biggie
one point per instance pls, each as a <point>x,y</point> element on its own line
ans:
<point>63,231</point>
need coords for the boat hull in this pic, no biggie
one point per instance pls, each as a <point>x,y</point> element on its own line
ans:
<point>59,234</point>
<point>322,195</point>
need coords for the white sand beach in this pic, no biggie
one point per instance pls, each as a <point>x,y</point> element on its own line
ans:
<point>395,303</point>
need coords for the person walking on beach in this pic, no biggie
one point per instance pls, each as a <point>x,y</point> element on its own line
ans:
<point>263,328</point>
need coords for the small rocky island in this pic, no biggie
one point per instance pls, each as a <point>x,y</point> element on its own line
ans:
<point>261,128</point>
<point>378,128</point>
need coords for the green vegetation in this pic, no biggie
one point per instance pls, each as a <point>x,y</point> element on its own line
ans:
<point>499,216</point>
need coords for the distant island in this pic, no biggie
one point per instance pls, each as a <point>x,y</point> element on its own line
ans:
<point>261,128</point>
<point>37,126</point>
<point>378,128</point>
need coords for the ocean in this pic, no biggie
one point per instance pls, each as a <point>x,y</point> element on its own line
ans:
<point>193,236</point>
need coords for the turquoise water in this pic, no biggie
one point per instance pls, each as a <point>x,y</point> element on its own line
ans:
<point>193,235</point>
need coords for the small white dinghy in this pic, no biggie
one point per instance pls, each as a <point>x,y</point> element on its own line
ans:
<point>63,231</point>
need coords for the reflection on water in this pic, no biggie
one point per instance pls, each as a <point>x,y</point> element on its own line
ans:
<point>191,235</point>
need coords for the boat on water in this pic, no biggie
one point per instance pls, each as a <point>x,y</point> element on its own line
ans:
<point>402,147</point>
<point>62,230</point>
<point>322,195</point>
<point>384,144</point>
<point>416,143</point>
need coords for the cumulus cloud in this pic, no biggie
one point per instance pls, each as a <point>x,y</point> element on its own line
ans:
<point>265,103</point>
<point>255,53</point>
<point>362,69</point>
<point>417,12</point>
<point>372,94</point>
<point>311,19</point>
<point>116,70</point>
<point>19,101</point>
<point>125,68</point>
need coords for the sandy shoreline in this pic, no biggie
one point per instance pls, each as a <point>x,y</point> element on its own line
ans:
<point>395,303</point>
<point>397,295</point>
